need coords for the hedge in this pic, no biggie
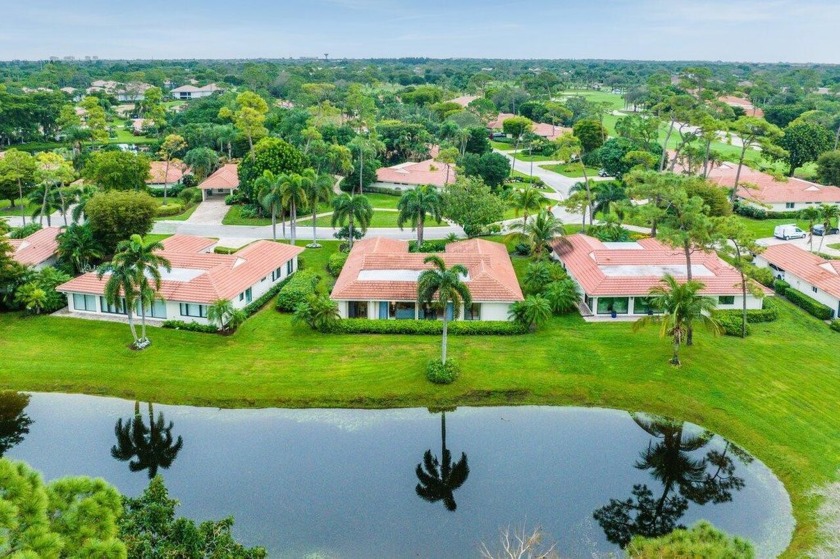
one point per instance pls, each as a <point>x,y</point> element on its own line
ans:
<point>260,302</point>
<point>770,313</point>
<point>760,213</point>
<point>835,325</point>
<point>808,304</point>
<point>428,246</point>
<point>301,285</point>
<point>336,263</point>
<point>172,208</point>
<point>780,286</point>
<point>731,323</point>
<point>190,326</point>
<point>426,327</point>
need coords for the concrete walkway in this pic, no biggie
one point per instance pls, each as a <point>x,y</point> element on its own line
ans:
<point>209,212</point>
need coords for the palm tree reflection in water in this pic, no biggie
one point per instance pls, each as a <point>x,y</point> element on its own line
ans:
<point>146,448</point>
<point>438,479</point>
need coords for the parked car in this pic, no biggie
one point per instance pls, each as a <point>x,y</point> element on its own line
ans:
<point>603,173</point>
<point>820,230</point>
<point>790,231</point>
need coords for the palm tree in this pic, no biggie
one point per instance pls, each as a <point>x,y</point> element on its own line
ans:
<point>319,312</point>
<point>828,213</point>
<point>83,195</point>
<point>293,195</point>
<point>438,479</point>
<point>415,205</point>
<point>269,193</point>
<point>442,287</point>
<point>48,202</point>
<point>134,263</point>
<point>681,306</point>
<point>352,208</point>
<point>811,215</point>
<point>146,448</point>
<point>607,196</point>
<point>220,313</point>
<point>563,295</point>
<point>318,192</point>
<point>539,232</point>
<point>526,200</point>
<point>78,247</point>
<point>532,312</point>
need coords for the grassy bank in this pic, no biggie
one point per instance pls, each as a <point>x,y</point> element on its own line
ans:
<point>774,393</point>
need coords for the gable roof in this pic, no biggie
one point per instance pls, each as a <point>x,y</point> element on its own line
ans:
<point>37,248</point>
<point>769,190</point>
<point>425,172</point>
<point>383,270</point>
<point>226,176</point>
<point>745,104</point>
<point>819,272</point>
<point>158,169</point>
<point>625,269</point>
<point>203,277</point>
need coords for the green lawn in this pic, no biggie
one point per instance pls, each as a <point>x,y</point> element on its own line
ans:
<point>7,209</point>
<point>378,201</point>
<point>380,219</point>
<point>573,170</point>
<point>501,146</point>
<point>763,228</point>
<point>774,393</point>
<point>540,187</point>
<point>616,102</point>
<point>522,155</point>
<point>835,246</point>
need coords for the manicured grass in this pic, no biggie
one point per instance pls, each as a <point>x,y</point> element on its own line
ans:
<point>501,146</point>
<point>573,170</point>
<point>616,102</point>
<point>234,217</point>
<point>183,216</point>
<point>763,228</point>
<point>522,155</point>
<point>377,200</point>
<point>7,209</point>
<point>774,393</point>
<point>154,237</point>
<point>835,246</point>
<point>381,218</point>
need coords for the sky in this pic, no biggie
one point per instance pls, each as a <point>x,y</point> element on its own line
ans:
<point>728,30</point>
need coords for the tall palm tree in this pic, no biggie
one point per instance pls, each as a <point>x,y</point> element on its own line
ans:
<point>828,214</point>
<point>539,232</point>
<point>442,287</point>
<point>607,196</point>
<point>146,448</point>
<point>526,200</point>
<point>681,305</point>
<point>269,193</point>
<point>415,205</point>
<point>78,247</point>
<point>131,268</point>
<point>48,202</point>
<point>83,195</point>
<point>438,479</point>
<point>319,191</point>
<point>812,216</point>
<point>350,209</point>
<point>293,194</point>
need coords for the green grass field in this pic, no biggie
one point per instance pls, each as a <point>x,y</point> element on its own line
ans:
<point>774,393</point>
<point>381,218</point>
<point>574,170</point>
<point>763,228</point>
<point>615,101</point>
<point>377,200</point>
<point>7,209</point>
<point>501,146</point>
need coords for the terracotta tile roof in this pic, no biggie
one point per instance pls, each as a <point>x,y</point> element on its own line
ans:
<point>497,123</point>
<point>227,176</point>
<point>745,104</point>
<point>37,248</point>
<point>610,269</point>
<point>547,131</point>
<point>202,277</point>
<point>425,172</point>
<point>821,273</point>
<point>772,191</point>
<point>464,100</point>
<point>491,277</point>
<point>158,168</point>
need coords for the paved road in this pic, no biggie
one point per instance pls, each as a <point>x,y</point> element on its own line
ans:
<point>805,245</point>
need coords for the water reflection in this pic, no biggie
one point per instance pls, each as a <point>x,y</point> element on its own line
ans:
<point>438,479</point>
<point>671,459</point>
<point>146,447</point>
<point>14,423</point>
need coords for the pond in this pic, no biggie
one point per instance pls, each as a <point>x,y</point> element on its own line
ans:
<point>410,482</point>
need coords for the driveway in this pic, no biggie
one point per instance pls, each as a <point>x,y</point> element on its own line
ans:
<point>805,245</point>
<point>209,212</point>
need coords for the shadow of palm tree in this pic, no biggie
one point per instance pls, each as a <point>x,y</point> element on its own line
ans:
<point>146,447</point>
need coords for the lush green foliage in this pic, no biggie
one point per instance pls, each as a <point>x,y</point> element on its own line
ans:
<point>439,372</point>
<point>426,327</point>
<point>336,263</point>
<point>701,541</point>
<point>809,304</point>
<point>190,326</point>
<point>301,285</point>
<point>115,216</point>
<point>117,170</point>
<point>471,204</point>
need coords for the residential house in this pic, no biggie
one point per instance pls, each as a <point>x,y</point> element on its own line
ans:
<point>379,281</point>
<point>464,100</point>
<point>188,92</point>
<point>159,175</point>
<point>38,250</point>
<point>548,131</point>
<point>617,277</point>
<point>763,190</point>
<point>198,278</point>
<point>410,175</point>
<point>222,182</point>
<point>806,272</point>
<point>745,104</point>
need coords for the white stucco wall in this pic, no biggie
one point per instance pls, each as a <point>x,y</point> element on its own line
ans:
<point>489,311</point>
<point>802,286</point>
<point>782,207</point>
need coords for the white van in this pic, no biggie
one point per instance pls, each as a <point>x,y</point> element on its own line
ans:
<point>789,232</point>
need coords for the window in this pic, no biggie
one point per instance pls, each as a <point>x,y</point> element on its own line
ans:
<point>112,309</point>
<point>158,309</point>
<point>248,296</point>
<point>277,274</point>
<point>789,205</point>
<point>608,305</point>
<point>815,290</point>
<point>645,305</point>
<point>726,300</point>
<point>357,309</point>
<point>290,266</point>
<point>265,278</point>
<point>383,310</point>
<point>242,296</point>
<point>427,311</point>
<point>473,312</point>
<point>85,303</point>
<point>401,310</point>
<point>192,309</point>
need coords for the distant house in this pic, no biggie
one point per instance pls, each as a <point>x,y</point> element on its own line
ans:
<point>745,104</point>
<point>410,175</point>
<point>548,131</point>
<point>221,183</point>
<point>188,92</point>
<point>764,191</point>
<point>464,100</point>
<point>379,281</point>
<point>198,278</point>
<point>124,92</point>
<point>38,249</point>
<point>158,175</point>
<point>617,277</point>
<point>808,273</point>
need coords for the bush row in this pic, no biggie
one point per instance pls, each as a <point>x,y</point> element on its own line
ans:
<point>262,301</point>
<point>300,286</point>
<point>835,325</point>
<point>731,323</point>
<point>808,304</point>
<point>428,246</point>
<point>430,327</point>
<point>761,213</point>
<point>190,326</point>
<point>171,208</point>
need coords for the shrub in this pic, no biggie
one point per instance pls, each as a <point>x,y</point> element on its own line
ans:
<point>731,323</point>
<point>809,305</point>
<point>760,213</point>
<point>764,276</point>
<point>172,191</point>
<point>260,302</point>
<point>426,327</point>
<point>116,215</point>
<point>522,249</point>
<point>428,246</point>
<point>190,326</point>
<point>781,286</point>
<point>835,325</point>
<point>249,212</point>
<point>234,198</point>
<point>442,373</point>
<point>25,231</point>
<point>190,196</point>
<point>171,208</point>
<point>301,285</point>
<point>336,263</point>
